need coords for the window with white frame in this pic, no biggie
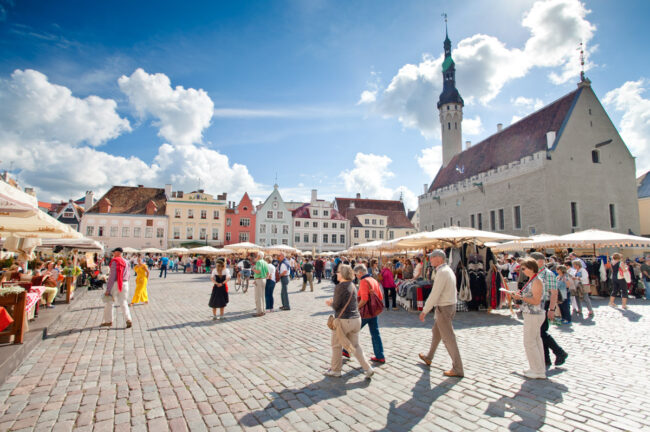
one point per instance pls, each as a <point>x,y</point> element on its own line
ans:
<point>125,231</point>
<point>325,238</point>
<point>297,223</point>
<point>367,222</point>
<point>367,234</point>
<point>189,233</point>
<point>334,225</point>
<point>342,238</point>
<point>285,229</point>
<point>280,215</point>
<point>177,233</point>
<point>333,238</point>
<point>137,232</point>
<point>274,229</point>
<point>90,231</point>
<point>269,214</point>
<point>274,242</point>
<point>100,231</point>
<point>204,214</point>
<point>391,234</point>
<point>228,236</point>
<point>244,222</point>
<point>190,213</point>
<point>177,213</point>
<point>315,224</point>
<point>215,214</point>
<point>113,231</point>
<point>243,237</point>
<point>381,235</point>
<point>262,228</point>
<point>215,233</point>
<point>314,238</point>
<point>160,233</point>
<point>203,233</point>
<point>305,238</point>
<point>297,238</point>
<point>228,221</point>
<point>148,232</point>
<point>355,233</point>
<point>285,242</point>
<point>325,225</point>
<point>314,212</point>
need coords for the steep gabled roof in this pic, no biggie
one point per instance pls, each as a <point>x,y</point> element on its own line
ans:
<point>304,213</point>
<point>343,204</point>
<point>133,200</point>
<point>521,139</point>
<point>396,219</point>
<point>643,189</point>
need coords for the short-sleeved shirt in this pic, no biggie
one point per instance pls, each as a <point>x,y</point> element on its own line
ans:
<point>263,269</point>
<point>365,284</point>
<point>645,268</point>
<point>226,273</point>
<point>308,267</point>
<point>164,261</point>
<point>271,271</point>
<point>284,268</point>
<point>549,281</point>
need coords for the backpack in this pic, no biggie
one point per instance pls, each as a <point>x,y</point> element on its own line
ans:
<point>374,306</point>
<point>246,264</point>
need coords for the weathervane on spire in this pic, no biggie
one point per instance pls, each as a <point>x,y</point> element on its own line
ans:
<point>444,15</point>
<point>582,61</point>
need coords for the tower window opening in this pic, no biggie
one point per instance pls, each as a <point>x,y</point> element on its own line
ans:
<point>448,107</point>
<point>449,126</point>
<point>595,156</point>
<point>455,125</point>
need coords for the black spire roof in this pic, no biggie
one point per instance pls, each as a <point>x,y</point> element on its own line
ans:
<point>449,93</point>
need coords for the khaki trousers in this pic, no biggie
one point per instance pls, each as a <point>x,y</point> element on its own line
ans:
<point>443,330</point>
<point>351,328</point>
<point>260,286</point>
<point>309,277</point>
<point>121,299</point>
<point>49,294</point>
<point>533,342</point>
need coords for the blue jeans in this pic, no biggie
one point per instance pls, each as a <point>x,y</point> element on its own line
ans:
<point>163,268</point>
<point>284,294</point>
<point>268,293</point>
<point>565,307</point>
<point>377,346</point>
<point>646,284</point>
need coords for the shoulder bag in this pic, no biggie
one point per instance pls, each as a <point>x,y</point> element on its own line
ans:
<point>373,306</point>
<point>330,319</point>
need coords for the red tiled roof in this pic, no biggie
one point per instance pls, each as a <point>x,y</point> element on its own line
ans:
<point>303,213</point>
<point>133,200</point>
<point>396,219</point>
<point>523,138</point>
<point>343,204</point>
<point>45,205</point>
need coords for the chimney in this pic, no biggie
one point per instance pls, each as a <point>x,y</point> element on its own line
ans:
<point>168,191</point>
<point>201,190</point>
<point>426,188</point>
<point>499,127</point>
<point>30,191</point>
<point>468,144</point>
<point>352,204</point>
<point>314,195</point>
<point>179,194</point>
<point>151,208</point>
<point>358,195</point>
<point>550,139</point>
<point>88,200</point>
<point>140,186</point>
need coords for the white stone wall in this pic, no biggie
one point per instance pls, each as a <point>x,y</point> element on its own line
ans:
<point>120,221</point>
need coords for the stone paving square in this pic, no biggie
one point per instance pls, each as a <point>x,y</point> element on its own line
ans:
<point>178,370</point>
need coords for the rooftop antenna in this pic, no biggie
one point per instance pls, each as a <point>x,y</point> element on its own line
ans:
<point>582,61</point>
<point>444,15</point>
<point>276,177</point>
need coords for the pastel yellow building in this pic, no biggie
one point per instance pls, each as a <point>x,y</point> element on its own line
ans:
<point>195,217</point>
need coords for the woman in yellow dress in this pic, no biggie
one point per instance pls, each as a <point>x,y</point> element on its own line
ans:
<point>142,276</point>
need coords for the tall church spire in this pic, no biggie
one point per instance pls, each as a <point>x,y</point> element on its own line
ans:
<point>450,106</point>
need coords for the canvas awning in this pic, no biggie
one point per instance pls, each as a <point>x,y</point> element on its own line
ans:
<point>454,235</point>
<point>597,239</point>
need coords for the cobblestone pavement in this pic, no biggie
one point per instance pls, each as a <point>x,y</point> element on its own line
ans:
<point>178,370</point>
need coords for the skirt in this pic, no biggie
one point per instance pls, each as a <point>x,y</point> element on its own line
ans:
<point>219,297</point>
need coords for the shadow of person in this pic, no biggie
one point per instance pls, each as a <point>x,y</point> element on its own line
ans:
<point>409,413</point>
<point>631,316</point>
<point>278,407</point>
<point>529,403</point>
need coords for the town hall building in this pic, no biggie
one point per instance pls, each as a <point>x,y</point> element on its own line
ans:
<point>563,168</point>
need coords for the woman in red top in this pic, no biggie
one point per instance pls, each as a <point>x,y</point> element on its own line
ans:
<point>388,282</point>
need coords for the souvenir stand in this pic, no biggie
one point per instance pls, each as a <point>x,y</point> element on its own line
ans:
<point>478,279</point>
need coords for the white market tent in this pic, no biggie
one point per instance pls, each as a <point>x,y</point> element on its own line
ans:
<point>597,239</point>
<point>225,251</point>
<point>536,241</point>
<point>85,244</point>
<point>281,248</point>
<point>130,250</point>
<point>453,235</point>
<point>152,251</point>
<point>245,247</point>
<point>203,250</point>
<point>177,250</point>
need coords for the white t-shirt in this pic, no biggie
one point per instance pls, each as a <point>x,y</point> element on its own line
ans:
<point>271,271</point>
<point>284,268</point>
<point>226,272</point>
<point>584,275</point>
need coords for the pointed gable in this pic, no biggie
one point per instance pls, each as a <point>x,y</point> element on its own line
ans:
<point>521,139</point>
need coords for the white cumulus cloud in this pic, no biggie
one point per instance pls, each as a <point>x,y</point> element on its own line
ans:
<point>635,123</point>
<point>484,64</point>
<point>369,176</point>
<point>430,160</point>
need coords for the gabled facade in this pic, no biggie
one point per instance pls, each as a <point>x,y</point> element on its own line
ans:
<point>371,219</point>
<point>240,222</point>
<point>195,218</point>
<point>561,169</point>
<point>318,226</point>
<point>273,223</point>
<point>128,217</point>
<point>68,213</point>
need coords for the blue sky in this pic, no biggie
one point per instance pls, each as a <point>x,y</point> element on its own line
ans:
<point>285,79</point>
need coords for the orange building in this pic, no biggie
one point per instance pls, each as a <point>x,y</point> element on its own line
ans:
<point>240,221</point>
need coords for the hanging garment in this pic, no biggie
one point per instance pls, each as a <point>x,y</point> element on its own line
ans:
<point>465,293</point>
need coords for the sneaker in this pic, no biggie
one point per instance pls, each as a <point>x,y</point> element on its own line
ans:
<point>590,315</point>
<point>566,322</point>
<point>612,305</point>
<point>369,373</point>
<point>559,360</point>
<point>214,318</point>
<point>128,323</point>
<point>345,354</point>
<point>378,360</point>
<point>395,308</point>
<point>331,373</point>
<point>624,307</point>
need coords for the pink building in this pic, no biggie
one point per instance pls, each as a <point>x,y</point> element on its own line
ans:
<point>240,221</point>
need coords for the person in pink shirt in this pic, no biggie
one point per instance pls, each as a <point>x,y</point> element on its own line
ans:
<point>388,283</point>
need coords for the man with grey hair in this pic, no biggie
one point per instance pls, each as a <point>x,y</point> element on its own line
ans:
<point>260,273</point>
<point>443,299</point>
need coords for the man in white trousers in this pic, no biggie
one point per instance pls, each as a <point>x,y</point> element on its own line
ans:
<point>117,289</point>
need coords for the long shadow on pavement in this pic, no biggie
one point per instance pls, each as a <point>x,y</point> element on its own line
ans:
<point>408,414</point>
<point>284,401</point>
<point>529,403</point>
<point>204,323</point>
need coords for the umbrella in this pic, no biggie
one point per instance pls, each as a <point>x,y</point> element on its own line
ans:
<point>34,224</point>
<point>245,247</point>
<point>281,248</point>
<point>597,239</point>
<point>178,250</point>
<point>452,235</point>
<point>130,250</point>
<point>226,251</point>
<point>85,244</point>
<point>152,250</point>
<point>532,243</point>
<point>203,250</point>
<point>13,199</point>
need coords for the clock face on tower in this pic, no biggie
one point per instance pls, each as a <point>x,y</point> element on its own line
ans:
<point>275,205</point>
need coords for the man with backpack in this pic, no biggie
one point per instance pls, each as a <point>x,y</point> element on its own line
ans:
<point>245,273</point>
<point>283,273</point>
<point>308,275</point>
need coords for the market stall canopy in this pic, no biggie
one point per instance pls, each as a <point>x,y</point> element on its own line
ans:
<point>226,251</point>
<point>84,244</point>
<point>34,224</point>
<point>597,239</point>
<point>376,246</point>
<point>130,250</point>
<point>453,235</point>
<point>245,247</point>
<point>536,241</point>
<point>281,248</point>
<point>13,199</point>
<point>203,250</point>
<point>177,250</point>
<point>152,250</point>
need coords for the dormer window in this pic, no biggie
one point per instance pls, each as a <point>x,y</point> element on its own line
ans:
<point>595,156</point>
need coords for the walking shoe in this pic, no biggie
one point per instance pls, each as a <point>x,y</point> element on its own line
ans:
<point>214,318</point>
<point>331,373</point>
<point>565,322</point>
<point>378,360</point>
<point>612,305</point>
<point>345,354</point>
<point>106,324</point>
<point>531,375</point>
<point>624,307</point>
<point>590,315</point>
<point>369,373</point>
<point>451,373</point>
<point>258,314</point>
<point>560,359</point>
<point>424,359</point>
<point>128,323</point>
<point>395,308</point>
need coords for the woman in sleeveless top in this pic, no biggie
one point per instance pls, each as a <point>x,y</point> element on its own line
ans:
<point>219,297</point>
<point>141,279</point>
<point>534,316</point>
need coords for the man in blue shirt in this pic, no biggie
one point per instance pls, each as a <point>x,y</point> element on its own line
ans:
<point>164,261</point>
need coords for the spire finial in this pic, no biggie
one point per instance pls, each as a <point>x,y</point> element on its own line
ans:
<point>582,62</point>
<point>444,15</point>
